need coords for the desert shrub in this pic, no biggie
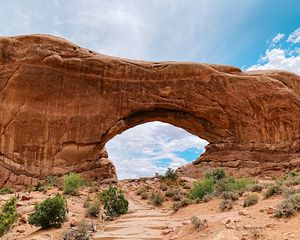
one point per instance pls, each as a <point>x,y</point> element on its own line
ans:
<point>226,204</point>
<point>251,199</point>
<point>82,232</point>
<point>294,181</point>
<point>170,174</point>
<point>199,223</point>
<point>202,188</point>
<point>164,187</point>
<point>290,179</point>
<point>52,181</point>
<point>8,215</point>
<point>255,187</point>
<point>285,209</point>
<point>216,174</point>
<point>207,198</point>
<point>157,199</point>
<point>273,190</point>
<point>5,190</point>
<point>176,206</point>
<point>288,207</point>
<point>176,197</point>
<point>185,202</point>
<point>239,184</point>
<point>72,183</point>
<point>52,212</point>
<point>141,190</point>
<point>228,195</point>
<point>290,191</point>
<point>231,184</point>
<point>39,187</point>
<point>144,195</point>
<point>171,192</point>
<point>295,198</point>
<point>256,232</point>
<point>87,201</point>
<point>114,201</point>
<point>93,209</point>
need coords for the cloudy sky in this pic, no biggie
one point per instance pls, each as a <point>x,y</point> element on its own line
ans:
<point>256,34</point>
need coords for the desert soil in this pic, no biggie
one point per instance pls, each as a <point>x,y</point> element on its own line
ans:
<point>144,221</point>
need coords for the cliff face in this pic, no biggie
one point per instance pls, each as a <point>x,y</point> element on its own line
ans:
<point>61,103</point>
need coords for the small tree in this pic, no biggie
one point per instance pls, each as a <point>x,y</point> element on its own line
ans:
<point>114,201</point>
<point>50,213</point>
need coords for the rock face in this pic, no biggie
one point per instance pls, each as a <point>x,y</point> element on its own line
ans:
<point>61,103</point>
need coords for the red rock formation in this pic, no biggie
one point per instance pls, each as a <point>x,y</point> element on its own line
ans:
<point>61,103</point>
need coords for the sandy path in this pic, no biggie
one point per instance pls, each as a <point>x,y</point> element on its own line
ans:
<point>141,222</point>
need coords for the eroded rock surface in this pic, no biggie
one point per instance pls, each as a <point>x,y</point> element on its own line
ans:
<point>61,103</point>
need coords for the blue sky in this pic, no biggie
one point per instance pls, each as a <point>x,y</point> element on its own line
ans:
<point>250,34</point>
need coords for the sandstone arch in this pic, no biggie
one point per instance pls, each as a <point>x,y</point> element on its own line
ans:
<point>61,103</point>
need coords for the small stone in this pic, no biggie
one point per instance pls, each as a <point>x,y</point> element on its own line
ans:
<point>25,198</point>
<point>270,225</point>
<point>243,213</point>
<point>20,230</point>
<point>270,210</point>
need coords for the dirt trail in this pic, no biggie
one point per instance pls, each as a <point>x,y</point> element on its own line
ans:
<point>141,222</point>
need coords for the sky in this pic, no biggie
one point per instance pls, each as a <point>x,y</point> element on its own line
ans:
<point>250,34</point>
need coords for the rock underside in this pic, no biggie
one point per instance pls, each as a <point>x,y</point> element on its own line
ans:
<point>60,104</point>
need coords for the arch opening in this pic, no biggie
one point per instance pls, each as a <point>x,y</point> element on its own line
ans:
<point>152,147</point>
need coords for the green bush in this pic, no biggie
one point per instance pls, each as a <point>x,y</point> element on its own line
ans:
<point>231,184</point>
<point>170,174</point>
<point>216,174</point>
<point>39,187</point>
<point>251,199</point>
<point>239,184</point>
<point>8,215</point>
<point>5,190</point>
<point>273,190</point>
<point>114,201</point>
<point>157,199</point>
<point>93,209</point>
<point>226,204</point>
<point>73,182</point>
<point>50,213</point>
<point>202,188</point>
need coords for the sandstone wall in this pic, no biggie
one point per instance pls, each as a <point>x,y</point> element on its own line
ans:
<point>60,104</point>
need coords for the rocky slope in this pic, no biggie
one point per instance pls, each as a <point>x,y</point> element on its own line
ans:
<point>60,104</point>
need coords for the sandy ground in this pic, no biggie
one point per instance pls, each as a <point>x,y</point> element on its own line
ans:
<point>144,221</point>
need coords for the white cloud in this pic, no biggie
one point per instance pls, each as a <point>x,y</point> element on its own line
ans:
<point>294,37</point>
<point>282,58</point>
<point>141,29</point>
<point>278,38</point>
<point>151,147</point>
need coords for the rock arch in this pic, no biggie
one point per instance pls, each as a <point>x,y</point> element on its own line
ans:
<point>61,103</point>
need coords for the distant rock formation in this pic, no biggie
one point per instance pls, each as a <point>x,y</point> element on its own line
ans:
<point>61,103</point>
